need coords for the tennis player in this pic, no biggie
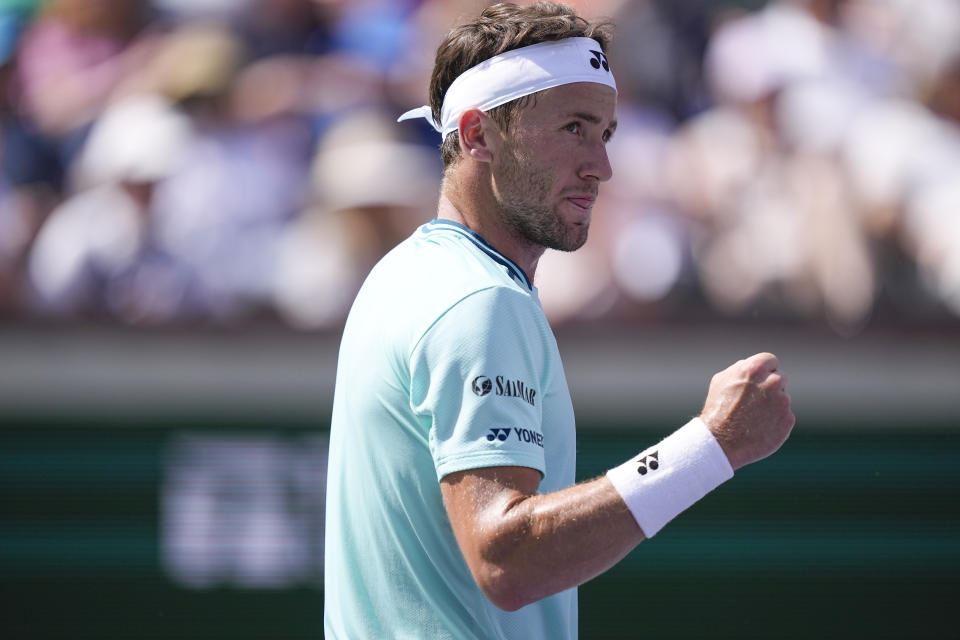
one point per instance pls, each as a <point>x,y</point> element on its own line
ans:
<point>451,505</point>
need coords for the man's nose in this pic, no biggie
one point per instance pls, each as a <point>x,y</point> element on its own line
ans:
<point>596,165</point>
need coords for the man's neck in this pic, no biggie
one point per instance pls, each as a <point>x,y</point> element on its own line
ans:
<point>471,203</point>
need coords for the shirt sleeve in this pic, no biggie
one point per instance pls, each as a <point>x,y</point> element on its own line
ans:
<point>477,375</point>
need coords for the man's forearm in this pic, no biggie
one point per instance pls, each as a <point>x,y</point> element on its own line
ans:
<point>527,547</point>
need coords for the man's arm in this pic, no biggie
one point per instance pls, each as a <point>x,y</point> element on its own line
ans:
<point>521,546</point>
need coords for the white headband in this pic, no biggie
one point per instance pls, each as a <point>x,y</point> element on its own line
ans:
<point>519,73</point>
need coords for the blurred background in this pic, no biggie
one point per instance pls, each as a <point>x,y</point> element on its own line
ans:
<point>193,190</point>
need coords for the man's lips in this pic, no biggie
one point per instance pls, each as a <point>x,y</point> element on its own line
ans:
<point>584,201</point>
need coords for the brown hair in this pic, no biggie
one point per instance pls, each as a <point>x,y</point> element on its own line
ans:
<point>500,28</point>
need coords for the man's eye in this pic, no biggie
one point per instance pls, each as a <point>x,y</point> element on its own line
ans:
<point>573,127</point>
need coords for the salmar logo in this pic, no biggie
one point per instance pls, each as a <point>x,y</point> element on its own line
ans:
<point>482,385</point>
<point>505,387</point>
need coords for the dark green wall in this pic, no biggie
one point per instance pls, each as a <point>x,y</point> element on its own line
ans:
<point>850,532</point>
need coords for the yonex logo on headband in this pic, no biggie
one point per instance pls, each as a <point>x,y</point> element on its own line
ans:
<point>599,60</point>
<point>517,73</point>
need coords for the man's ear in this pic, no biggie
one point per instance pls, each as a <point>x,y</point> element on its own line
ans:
<point>478,135</point>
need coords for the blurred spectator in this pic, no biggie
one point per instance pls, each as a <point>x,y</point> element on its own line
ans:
<point>371,191</point>
<point>375,30</point>
<point>794,161</point>
<point>243,175</point>
<point>188,10</point>
<point>95,250</point>
<point>70,59</point>
<point>274,27</point>
<point>801,169</point>
<point>659,52</point>
<point>24,200</point>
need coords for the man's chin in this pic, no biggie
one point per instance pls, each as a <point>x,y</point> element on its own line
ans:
<point>574,239</point>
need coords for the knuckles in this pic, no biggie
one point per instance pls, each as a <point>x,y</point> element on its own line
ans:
<point>761,364</point>
<point>783,402</point>
<point>775,381</point>
<point>749,407</point>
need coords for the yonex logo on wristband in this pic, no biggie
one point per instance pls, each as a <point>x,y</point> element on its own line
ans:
<point>696,462</point>
<point>650,462</point>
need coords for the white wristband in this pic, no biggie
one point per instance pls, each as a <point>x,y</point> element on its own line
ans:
<point>666,479</point>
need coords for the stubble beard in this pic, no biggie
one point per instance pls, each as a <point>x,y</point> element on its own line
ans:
<point>523,197</point>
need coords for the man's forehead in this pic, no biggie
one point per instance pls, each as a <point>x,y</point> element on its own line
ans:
<point>595,101</point>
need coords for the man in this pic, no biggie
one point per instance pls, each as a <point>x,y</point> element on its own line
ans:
<point>451,508</point>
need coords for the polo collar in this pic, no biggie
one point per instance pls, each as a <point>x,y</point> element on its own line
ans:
<point>515,272</point>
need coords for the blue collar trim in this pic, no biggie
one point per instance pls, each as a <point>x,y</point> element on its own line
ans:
<point>515,272</point>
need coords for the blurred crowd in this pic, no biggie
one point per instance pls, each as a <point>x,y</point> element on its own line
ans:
<point>170,162</point>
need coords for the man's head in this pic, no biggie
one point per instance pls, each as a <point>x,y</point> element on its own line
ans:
<point>525,100</point>
<point>501,28</point>
<point>545,174</point>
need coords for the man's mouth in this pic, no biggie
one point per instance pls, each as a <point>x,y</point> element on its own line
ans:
<point>583,201</point>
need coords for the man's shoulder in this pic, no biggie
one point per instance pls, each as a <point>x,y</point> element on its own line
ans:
<point>441,261</point>
<point>437,274</point>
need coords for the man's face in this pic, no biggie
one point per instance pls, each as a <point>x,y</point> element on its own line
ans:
<point>551,163</point>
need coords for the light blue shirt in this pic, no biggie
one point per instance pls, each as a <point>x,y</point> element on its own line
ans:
<point>447,363</point>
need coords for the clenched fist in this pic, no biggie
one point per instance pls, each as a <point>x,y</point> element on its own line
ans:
<point>748,409</point>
